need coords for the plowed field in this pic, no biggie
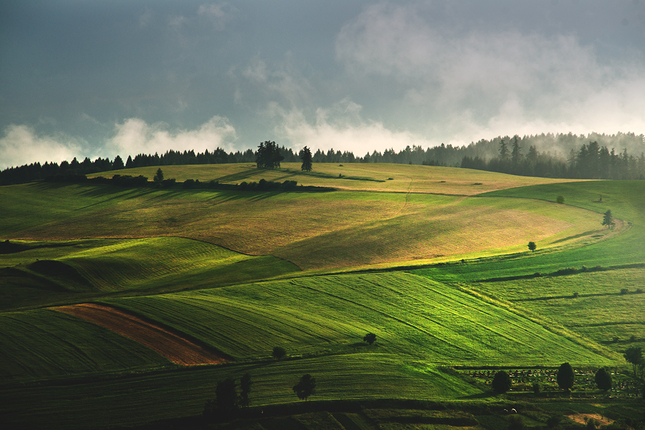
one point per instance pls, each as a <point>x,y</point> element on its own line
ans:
<point>173,347</point>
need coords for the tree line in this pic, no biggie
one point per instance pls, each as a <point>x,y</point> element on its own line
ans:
<point>546,155</point>
<point>589,161</point>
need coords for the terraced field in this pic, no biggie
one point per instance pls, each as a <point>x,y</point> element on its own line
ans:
<point>433,261</point>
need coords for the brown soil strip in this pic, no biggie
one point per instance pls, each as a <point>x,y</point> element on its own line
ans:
<point>580,418</point>
<point>175,348</point>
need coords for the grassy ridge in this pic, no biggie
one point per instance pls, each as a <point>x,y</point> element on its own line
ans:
<point>56,272</point>
<point>412,316</point>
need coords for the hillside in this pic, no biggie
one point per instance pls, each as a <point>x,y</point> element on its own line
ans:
<point>434,261</point>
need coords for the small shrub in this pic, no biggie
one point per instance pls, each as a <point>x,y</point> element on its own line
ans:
<point>370,338</point>
<point>639,291</point>
<point>536,388</point>
<point>501,382</point>
<point>624,290</point>
<point>576,295</point>
<point>278,352</point>
<point>615,339</point>
<point>603,379</point>
<point>584,269</point>
<point>632,338</point>
<point>560,199</point>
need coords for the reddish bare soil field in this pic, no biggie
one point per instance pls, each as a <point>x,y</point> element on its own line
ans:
<point>173,347</point>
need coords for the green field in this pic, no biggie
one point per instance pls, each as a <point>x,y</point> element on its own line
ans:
<point>432,260</point>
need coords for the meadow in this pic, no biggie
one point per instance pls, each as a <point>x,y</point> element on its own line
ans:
<point>433,260</point>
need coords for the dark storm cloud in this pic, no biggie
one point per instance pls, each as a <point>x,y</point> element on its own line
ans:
<point>96,78</point>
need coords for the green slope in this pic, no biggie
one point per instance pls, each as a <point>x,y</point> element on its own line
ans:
<point>44,344</point>
<point>412,316</point>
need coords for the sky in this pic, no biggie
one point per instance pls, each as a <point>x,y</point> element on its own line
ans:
<point>89,78</point>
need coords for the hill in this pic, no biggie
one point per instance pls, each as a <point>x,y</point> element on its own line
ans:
<point>433,261</point>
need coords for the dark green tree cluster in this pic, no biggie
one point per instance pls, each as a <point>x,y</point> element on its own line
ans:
<point>226,402</point>
<point>370,338</point>
<point>590,161</point>
<point>268,155</point>
<point>306,157</point>
<point>565,377</point>
<point>501,382</point>
<point>305,387</point>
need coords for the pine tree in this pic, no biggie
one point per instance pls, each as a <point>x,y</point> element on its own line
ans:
<point>608,219</point>
<point>305,156</point>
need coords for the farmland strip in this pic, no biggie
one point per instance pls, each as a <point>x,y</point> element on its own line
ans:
<point>170,345</point>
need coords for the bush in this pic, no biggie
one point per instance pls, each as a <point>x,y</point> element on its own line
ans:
<point>565,376</point>
<point>501,382</point>
<point>603,379</point>
<point>536,388</point>
<point>306,387</point>
<point>369,338</point>
<point>560,199</point>
<point>278,352</point>
<point>576,295</point>
<point>624,290</point>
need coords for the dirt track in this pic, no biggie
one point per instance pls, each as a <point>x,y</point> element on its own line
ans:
<point>173,347</point>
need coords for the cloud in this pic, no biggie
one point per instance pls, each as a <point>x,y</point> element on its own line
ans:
<point>218,14</point>
<point>343,129</point>
<point>134,136</point>
<point>281,82</point>
<point>482,82</point>
<point>23,145</point>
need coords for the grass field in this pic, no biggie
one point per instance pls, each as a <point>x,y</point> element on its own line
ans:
<point>412,316</point>
<point>432,260</point>
<point>56,272</point>
<point>399,178</point>
<point>334,230</point>
<point>608,308</point>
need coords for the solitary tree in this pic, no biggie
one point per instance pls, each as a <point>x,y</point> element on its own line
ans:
<point>306,387</point>
<point>608,219</point>
<point>245,385</point>
<point>634,355</point>
<point>226,397</point>
<point>158,177</point>
<point>502,382</point>
<point>305,156</point>
<point>278,352</point>
<point>369,338</point>
<point>565,376</point>
<point>603,379</point>
<point>532,246</point>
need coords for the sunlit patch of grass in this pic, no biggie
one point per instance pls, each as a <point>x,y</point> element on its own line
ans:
<point>411,316</point>
<point>350,176</point>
